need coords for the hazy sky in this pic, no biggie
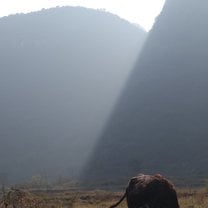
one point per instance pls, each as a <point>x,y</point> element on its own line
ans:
<point>141,12</point>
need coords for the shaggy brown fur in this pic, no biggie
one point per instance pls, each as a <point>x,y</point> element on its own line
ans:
<point>150,192</point>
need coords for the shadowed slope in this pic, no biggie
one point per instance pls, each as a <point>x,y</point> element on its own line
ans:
<point>160,121</point>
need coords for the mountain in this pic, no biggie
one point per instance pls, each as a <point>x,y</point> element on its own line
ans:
<point>160,121</point>
<point>61,71</point>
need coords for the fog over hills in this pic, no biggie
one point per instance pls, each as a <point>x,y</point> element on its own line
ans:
<point>61,71</point>
<point>160,121</point>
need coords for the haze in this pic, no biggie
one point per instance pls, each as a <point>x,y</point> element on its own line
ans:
<point>86,94</point>
<point>140,12</point>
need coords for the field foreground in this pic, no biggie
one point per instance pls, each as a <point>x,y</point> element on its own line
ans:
<point>188,198</point>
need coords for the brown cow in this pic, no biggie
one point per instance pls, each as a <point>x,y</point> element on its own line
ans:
<point>150,192</point>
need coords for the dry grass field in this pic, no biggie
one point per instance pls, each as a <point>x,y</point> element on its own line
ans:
<point>188,198</point>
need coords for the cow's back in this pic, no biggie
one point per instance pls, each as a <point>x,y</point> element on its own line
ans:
<point>151,191</point>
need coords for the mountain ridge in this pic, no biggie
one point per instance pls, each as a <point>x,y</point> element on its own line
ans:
<point>61,71</point>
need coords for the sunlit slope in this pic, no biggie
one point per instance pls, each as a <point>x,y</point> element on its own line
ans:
<point>61,70</point>
<point>160,121</point>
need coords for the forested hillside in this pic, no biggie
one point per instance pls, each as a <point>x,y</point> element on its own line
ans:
<point>61,71</point>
